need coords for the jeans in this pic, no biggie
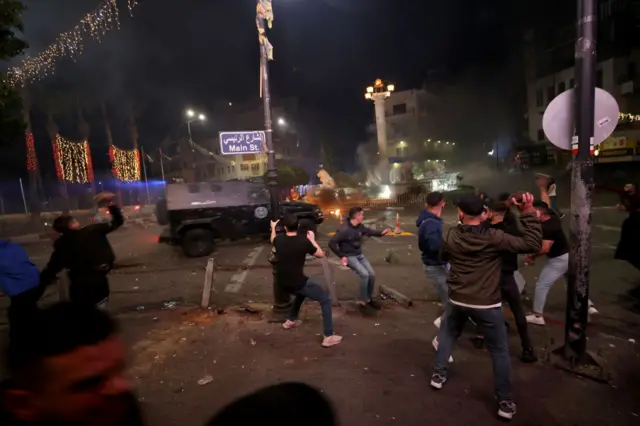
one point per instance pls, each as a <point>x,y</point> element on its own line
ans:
<point>438,274</point>
<point>555,268</point>
<point>363,268</point>
<point>313,291</point>
<point>491,323</point>
<point>511,295</point>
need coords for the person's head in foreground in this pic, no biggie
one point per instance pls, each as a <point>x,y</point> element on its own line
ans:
<point>435,202</point>
<point>286,404</point>
<point>471,210</point>
<point>290,223</point>
<point>69,372</point>
<point>356,215</point>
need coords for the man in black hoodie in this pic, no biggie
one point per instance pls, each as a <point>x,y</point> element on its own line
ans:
<point>499,218</point>
<point>86,253</point>
<point>475,255</point>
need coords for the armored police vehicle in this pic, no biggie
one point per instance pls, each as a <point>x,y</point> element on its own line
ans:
<point>199,214</point>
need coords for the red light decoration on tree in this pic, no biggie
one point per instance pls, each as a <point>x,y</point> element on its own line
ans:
<point>32,163</point>
<point>73,160</point>
<point>125,164</point>
<point>89,162</point>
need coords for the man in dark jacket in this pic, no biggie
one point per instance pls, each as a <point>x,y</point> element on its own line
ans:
<point>20,281</point>
<point>71,372</point>
<point>86,253</point>
<point>498,219</point>
<point>475,255</point>
<point>347,245</point>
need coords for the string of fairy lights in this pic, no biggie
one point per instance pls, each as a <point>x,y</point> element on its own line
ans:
<point>72,160</point>
<point>69,44</point>
<point>125,164</point>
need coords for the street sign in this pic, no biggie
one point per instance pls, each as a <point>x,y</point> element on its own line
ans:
<point>234,143</point>
<point>558,119</point>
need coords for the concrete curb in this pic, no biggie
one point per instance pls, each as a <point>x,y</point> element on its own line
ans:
<point>396,295</point>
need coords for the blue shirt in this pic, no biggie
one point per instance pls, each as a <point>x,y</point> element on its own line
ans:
<point>430,238</point>
<point>17,273</point>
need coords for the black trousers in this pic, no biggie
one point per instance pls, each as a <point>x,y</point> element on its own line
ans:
<point>22,311</point>
<point>511,295</point>
<point>88,288</point>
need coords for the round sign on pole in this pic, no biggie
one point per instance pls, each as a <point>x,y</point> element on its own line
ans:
<point>261,212</point>
<point>558,121</point>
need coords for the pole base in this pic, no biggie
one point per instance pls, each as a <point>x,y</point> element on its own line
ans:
<point>279,314</point>
<point>589,364</point>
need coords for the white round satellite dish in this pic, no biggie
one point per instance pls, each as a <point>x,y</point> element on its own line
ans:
<point>558,120</point>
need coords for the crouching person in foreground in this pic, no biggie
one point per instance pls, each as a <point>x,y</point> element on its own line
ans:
<point>475,255</point>
<point>291,250</point>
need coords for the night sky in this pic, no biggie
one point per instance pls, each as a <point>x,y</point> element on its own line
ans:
<point>174,54</point>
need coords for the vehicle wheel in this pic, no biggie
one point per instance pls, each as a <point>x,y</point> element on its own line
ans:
<point>308,225</point>
<point>162,214</point>
<point>198,242</point>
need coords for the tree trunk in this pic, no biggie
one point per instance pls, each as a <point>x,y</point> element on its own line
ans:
<point>85,133</point>
<point>107,129</point>
<point>52,130</point>
<point>33,169</point>
<point>133,131</point>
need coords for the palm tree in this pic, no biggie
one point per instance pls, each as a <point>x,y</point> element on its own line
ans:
<point>33,169</point>
<point>85,131</point>
<point>54,103</point>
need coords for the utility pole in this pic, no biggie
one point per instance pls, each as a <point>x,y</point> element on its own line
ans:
<point>574,352</point>
<point>282,300</point>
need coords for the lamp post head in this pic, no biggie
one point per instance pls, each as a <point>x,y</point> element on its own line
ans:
<point>370,89</point>
<point>367,95</point>
<point>391,88</point>
<point>190,113</point>
<point>282,121</point>
<point>201,117</point>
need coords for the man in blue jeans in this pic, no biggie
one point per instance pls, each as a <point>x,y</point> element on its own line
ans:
<point>291,250</point>
<point>475,255</point>
<point>430,242</point>
<point>347,245</point>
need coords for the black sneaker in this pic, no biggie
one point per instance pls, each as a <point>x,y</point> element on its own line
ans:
<point>528,356</point>
<point>367,310</point>
<point>375,304</point>
<point>437,380</point>
<point>506,409</point>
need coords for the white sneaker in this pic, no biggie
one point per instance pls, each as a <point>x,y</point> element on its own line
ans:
<point>434,342</point>
<point>535,319</point>
<point>593,310</point>
<point>437,322</point>
<point>329,341</point>
<point>288,324</point>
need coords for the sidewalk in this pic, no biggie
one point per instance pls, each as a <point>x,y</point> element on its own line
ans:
<point>379,375</point>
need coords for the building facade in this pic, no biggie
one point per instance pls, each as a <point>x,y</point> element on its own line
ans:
<point>413,148</point>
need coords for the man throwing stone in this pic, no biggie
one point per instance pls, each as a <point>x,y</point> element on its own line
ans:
<point>347,244</point>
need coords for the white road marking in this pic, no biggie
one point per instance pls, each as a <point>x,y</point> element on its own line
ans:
<point>608,228</point>
<point>237,280</point>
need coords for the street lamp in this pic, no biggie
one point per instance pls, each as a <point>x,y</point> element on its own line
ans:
<point>191,117</point>
<point>282,122</point>
<point>378,93</point>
